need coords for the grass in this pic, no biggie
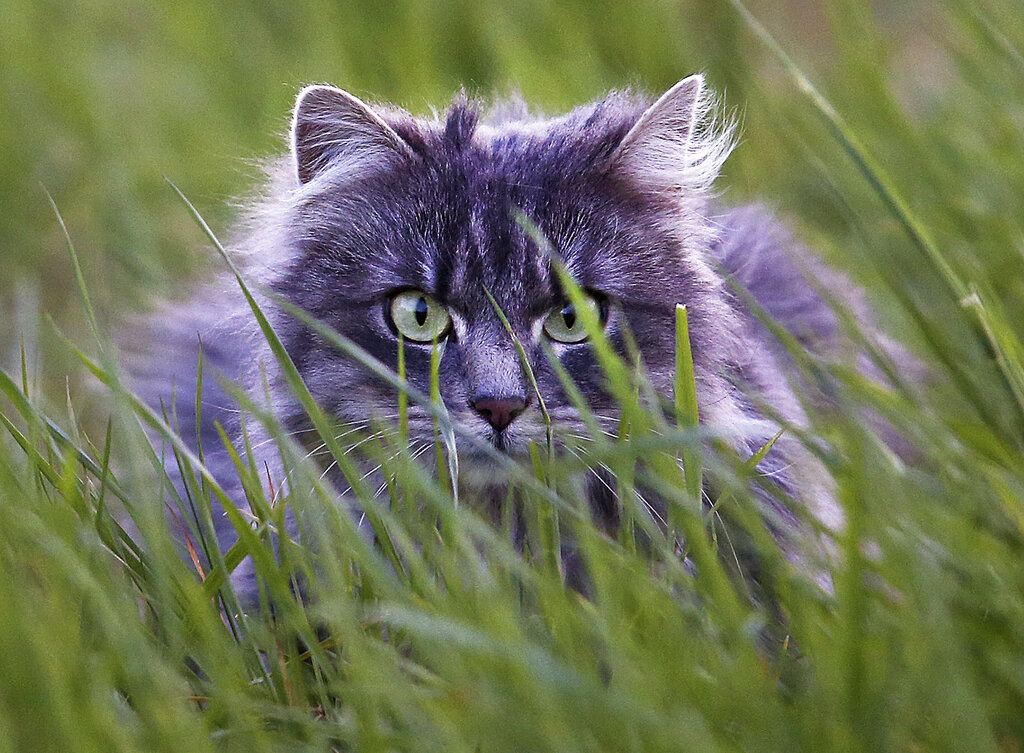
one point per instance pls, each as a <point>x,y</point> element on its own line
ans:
<point>443,635</point>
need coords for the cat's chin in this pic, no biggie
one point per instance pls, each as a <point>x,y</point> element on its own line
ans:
<point>480,471</point>
<point>483,478</point>
<point>481,475</point>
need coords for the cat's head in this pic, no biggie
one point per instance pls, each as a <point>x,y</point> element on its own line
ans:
<point>399,225</point>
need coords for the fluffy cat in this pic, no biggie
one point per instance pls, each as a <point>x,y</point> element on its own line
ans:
<point>380,223</point>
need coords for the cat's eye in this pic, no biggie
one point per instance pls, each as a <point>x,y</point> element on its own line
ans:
<point>418,317</point>
<point>566,326</point>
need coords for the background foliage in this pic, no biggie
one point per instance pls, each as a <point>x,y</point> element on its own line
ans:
<point>917,189</point>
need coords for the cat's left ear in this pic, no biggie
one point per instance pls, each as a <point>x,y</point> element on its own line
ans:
<point>330,124</point>
<point>670,146</point>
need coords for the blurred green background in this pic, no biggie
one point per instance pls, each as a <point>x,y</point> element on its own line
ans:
<point>99,100</point>
<point>919,650</point>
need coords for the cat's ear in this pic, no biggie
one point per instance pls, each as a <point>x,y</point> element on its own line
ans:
<point>671,146</point>
<point>330,124</point>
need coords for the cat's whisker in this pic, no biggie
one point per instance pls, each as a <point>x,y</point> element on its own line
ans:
<point>581,437</point>
<point>219,407</point>
<point>295,433</point>
<point>579,457</point>
<point>269,440</point>
<point>606,417</point>
<point>318,450</point>
<point>776,472</point>
<point>334,462</point>
<point>588,438</point>
<point>420,449</point>
<point>368,438</point>
<point>651,508</point>
<point>728,540</point>
<point>416,453</point>
<point>380,465</point>
<point>643,500</point>
<point>328,469</point>
<point>419,452</point>
<point>604,481</point>
<point>590,469</point>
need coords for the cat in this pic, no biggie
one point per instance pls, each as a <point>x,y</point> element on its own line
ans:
<point>381,224</point>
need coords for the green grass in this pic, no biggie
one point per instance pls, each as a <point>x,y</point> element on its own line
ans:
<point>891,138</point>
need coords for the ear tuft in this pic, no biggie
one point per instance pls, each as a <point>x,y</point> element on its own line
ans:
<point>329,125</point>
<point>676,144</point>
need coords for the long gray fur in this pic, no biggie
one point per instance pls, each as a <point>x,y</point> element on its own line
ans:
<point>372,200</point>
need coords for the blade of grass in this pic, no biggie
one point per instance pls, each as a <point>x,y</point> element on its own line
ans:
<point>83,291</point>
<point>687,412</point>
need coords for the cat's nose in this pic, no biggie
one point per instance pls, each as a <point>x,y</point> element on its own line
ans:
<point>499,411</point>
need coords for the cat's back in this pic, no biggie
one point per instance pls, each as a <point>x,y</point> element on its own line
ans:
<point>758,253</point>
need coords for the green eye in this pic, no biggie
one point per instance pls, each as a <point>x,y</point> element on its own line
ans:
<point>565,326</point>
<point>419,317</point>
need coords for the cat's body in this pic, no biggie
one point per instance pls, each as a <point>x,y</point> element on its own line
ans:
<point>374,204</point>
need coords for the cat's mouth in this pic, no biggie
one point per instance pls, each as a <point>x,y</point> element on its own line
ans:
<point>501,442</point>
<point>480,467</point>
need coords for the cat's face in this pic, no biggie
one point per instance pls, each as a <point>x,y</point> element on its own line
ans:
<point>402,227</point>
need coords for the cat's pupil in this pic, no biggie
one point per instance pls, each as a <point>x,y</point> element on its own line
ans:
<point>421,311</point>
<point>569,316</point>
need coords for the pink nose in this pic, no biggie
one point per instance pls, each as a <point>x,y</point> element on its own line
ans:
<point>499,411</point>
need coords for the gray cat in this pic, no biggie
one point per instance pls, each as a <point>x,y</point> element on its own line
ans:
<point>382,224</point>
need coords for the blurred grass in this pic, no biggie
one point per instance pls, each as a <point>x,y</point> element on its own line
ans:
<point>102,98</point>
<point>104,646</point>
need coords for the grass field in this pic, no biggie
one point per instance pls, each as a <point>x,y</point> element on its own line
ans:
<point>890,135</point>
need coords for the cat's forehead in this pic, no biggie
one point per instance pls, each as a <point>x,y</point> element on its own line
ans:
<point>480,179</point>
<point>478,242</point>
<point>509,142</point>
<point>450,219</point>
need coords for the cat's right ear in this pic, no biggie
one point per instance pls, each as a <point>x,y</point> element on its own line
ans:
<point>675,144</point>
<point>330,124</point>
